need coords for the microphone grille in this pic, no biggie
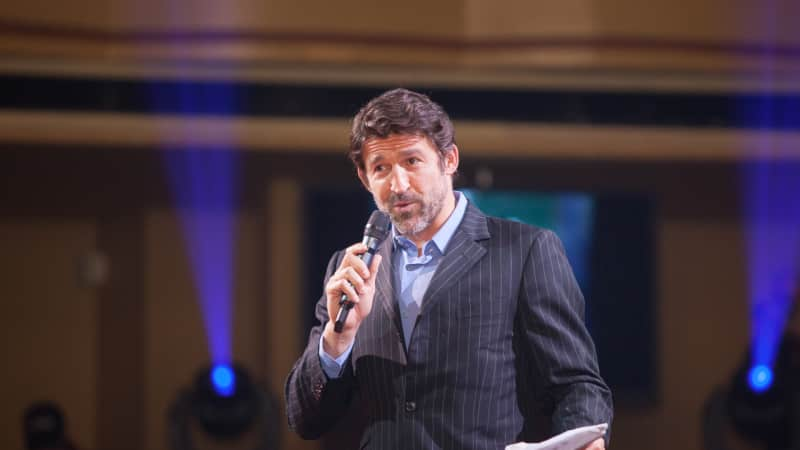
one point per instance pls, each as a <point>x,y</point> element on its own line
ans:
<point>377,225</point>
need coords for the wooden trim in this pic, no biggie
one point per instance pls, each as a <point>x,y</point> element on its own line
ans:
<point>221,36</point>
<point>383,75</point>
<point>242,46</point>
<point>318,136</point>
<point>153,131</point>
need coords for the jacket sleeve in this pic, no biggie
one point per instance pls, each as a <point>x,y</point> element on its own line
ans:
<point>562,355</point>
<point>313,402</point>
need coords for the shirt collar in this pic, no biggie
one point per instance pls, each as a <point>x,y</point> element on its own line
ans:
<point>445,233</point>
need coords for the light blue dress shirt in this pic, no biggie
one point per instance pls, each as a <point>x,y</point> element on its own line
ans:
<point>412,275</point>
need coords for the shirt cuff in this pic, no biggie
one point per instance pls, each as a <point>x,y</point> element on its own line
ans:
<point>330,365</point>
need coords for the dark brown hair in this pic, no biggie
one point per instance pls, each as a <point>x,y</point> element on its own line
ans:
<point>401,111</point>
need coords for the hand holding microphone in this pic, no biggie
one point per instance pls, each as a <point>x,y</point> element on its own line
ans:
<point>352,286</point>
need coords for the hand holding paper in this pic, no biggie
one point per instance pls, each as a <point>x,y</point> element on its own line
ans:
<point>574,439</point>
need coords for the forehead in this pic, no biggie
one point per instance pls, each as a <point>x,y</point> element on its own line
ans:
<point>395,143</point>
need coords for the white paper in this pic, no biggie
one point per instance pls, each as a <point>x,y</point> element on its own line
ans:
<point>574,439</point>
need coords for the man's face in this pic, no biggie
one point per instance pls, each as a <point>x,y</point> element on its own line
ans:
<point>409,180</point>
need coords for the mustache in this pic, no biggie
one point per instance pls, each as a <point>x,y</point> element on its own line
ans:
<point>405,197</point>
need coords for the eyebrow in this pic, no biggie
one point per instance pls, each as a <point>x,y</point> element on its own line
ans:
<point>403,154</point>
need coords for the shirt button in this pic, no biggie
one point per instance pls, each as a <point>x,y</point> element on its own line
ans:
<point>411,406</point>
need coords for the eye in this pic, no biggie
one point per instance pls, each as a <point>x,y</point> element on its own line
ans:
<point>378,168</point>
<point>414,160</point>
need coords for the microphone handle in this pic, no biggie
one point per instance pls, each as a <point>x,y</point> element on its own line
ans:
<point>345,305</point>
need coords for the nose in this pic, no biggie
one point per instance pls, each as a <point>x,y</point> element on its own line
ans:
<point>399,180</point>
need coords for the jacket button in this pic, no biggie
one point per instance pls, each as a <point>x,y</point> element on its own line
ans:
<point>411,406</point>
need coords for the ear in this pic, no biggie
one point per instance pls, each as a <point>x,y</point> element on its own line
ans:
<point>363,177</point>
<point>451,161</point>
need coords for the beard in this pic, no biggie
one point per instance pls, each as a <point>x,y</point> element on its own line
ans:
<point>414,221</point>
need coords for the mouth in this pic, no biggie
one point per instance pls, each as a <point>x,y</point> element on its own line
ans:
<point>402,206</point>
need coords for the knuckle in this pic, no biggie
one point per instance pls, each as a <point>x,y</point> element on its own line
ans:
<point>353,250</point>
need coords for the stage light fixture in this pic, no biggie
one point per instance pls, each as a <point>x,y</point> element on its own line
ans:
<point>759,406</point>
<point>223,409</point>
<point>227,405</point>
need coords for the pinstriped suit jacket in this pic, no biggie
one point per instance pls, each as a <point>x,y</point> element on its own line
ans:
<point>500,333</point>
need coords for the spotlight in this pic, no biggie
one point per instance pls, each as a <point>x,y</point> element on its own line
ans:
<point>224,409</point>
<point>227,405</point>
<point>762,402</point>
<point>760,406</point>
<point>760,378</point>
<point>223,380</point>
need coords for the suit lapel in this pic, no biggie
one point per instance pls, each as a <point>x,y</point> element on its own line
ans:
<point>384,285</point>
<point>461,254</point>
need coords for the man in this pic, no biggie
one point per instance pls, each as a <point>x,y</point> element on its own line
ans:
<point>462,326</point>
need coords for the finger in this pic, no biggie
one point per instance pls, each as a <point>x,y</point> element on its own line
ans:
<point>345,277</point>
<point>347,288</point>
<point>356,281</point>
<point>350,265</point>
<point>356,263</point>
<point>598,444</point>
<point>356,249</point>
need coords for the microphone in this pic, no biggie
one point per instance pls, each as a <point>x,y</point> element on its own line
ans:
<point>374,233</point>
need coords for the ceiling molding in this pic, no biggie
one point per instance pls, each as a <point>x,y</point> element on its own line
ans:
<point>193,49</point>
<point>128,132</point>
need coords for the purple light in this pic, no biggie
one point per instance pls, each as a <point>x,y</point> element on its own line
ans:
<point>772,221</point>
<point>203,183</point>
<point>771,193</point>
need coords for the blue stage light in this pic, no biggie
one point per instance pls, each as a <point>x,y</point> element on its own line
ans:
<point>204,179</point>
<point>223,380</point>
<point>772,229</point>
<point>760,378</point>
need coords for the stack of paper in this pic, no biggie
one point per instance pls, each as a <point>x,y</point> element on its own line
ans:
<point>574,439</point>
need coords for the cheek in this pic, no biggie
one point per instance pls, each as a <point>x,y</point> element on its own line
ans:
<point>380,191</point>
<point>425,184</point>
<point>417,183</point>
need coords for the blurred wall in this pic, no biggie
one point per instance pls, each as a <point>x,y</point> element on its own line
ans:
<point>49,323</point>
<point>116,350</point>
<point>686,35</point>
<point>80,183</point>
<point>65,343</point>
